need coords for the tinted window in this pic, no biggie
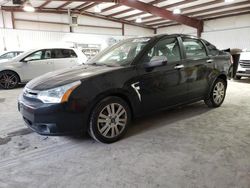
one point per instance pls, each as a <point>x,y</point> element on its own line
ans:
<point>64,53</point>
<point>212,50</point>
<point>47,54</point>
<point>166,47</point>
<point>194,48</point>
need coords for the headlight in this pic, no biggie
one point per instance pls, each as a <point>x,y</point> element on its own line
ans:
<point>59,94</point>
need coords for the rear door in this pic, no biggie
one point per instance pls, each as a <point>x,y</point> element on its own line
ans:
<point>64,58</point>
<point>198,65</point>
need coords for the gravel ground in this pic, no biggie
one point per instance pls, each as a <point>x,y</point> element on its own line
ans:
<point>192,146</point>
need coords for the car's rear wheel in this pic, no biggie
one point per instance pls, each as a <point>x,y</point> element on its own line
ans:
<point>8,79</point>
<point>109,120</point>
<point>217,94</point>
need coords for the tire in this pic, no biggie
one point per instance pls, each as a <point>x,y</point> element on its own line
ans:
<point>237,77</point>
<point>217,94</point>
<point>109,120</point>
<point>8,80</point>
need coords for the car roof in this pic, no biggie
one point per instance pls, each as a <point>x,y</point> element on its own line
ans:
<point>167,35</point>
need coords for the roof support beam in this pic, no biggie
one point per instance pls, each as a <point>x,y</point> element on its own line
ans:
<point>110,8</point>
<point>88,6</point>
<point>44,4</point>
<point>64,11</point>
<point>219,8</point>
<point>64,5</point>
<point>166,14</point>
<point>81,5</point>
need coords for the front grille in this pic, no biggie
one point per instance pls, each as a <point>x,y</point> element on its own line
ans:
<point>245,64</point>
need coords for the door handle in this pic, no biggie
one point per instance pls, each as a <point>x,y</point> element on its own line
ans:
<point>179,67</point>
<point>210,61</point>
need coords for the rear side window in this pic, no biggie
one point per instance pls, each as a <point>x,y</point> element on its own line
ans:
<point>194,48</point>
<point>212,50</point>
<point>64,53</point>
<point>47,54</point>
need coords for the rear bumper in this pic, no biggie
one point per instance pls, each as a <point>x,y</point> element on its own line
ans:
<point>51,119</point>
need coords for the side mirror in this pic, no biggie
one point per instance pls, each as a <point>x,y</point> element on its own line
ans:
<point>157,61</point>
<point>23,61</point>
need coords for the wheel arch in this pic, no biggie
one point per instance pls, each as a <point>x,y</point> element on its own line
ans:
<point>221,76</point>
<point>116,93</point>
<point>9,70</point>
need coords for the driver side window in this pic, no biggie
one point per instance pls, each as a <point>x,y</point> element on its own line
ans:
<point>168,47</point>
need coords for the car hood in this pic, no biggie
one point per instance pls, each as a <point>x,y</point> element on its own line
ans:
<point>4,62</point>
<point>66,76</point>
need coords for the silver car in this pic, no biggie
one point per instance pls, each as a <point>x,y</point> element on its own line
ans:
<point>36,62</point>
<point>244,65</point>
<point>9,54</point>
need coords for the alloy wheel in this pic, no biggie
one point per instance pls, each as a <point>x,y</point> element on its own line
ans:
<point>219,92</point>
<point>112,120</point>
<point>8,80</point>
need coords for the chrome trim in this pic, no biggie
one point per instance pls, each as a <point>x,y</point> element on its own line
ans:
<point>137,89</point>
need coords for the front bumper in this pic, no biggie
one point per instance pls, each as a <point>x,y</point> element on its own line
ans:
<point>243,69</point>
<point>243,73</point>
<point>50,119</point>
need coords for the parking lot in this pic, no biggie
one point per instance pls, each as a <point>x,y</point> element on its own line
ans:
<point>191,146</point>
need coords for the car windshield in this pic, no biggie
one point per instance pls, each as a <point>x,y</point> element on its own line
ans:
<point>121,54</point>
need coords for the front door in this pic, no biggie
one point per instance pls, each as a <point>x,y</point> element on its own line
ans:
<point>36,64</point>
<point>163,86</point>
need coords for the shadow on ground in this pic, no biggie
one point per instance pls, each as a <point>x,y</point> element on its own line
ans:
<point>157,120</point>
<point>164,118</point>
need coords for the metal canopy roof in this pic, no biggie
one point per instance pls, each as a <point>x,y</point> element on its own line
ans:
<point>153,13</point>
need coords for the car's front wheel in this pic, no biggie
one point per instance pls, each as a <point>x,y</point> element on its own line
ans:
<point>8,79</point>
<point>109,120</point>
<point>217,94</point>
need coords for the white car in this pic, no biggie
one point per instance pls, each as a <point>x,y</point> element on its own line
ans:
<point>243,66</point>
<point>34,63</point>
<point>9,55</point>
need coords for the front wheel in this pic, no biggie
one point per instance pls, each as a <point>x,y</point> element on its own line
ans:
<point>109,120</point>
<point>217,94</point>
<point>8,80</point>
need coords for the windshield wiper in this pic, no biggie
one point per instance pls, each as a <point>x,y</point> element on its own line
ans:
<point>96,64</point>
<point>102,64</point>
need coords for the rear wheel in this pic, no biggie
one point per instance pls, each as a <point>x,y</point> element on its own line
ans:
<point>8,79</point>
<point>109,120</point>
<point>217,94</point>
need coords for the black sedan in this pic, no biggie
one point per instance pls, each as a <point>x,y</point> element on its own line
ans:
<point>132,78</point>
